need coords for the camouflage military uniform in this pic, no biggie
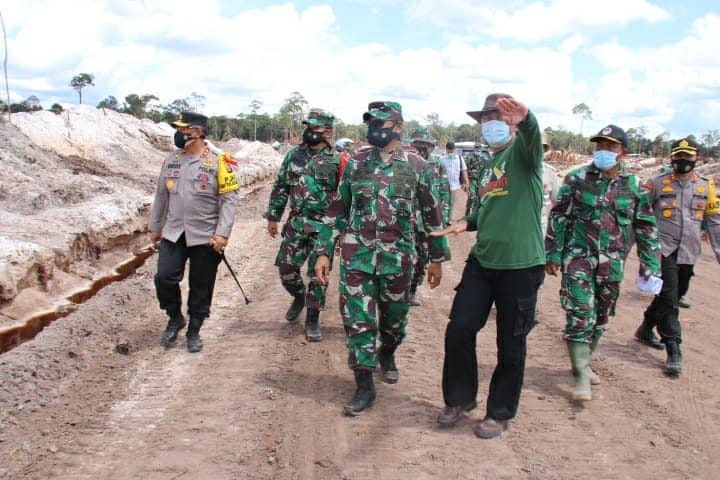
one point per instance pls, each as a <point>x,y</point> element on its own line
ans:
<point>474,162</point>
<point>308,180</point>
<point>587,230</point>
<point>376,210</point>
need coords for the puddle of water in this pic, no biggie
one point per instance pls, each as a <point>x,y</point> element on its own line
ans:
<point>13,336</point>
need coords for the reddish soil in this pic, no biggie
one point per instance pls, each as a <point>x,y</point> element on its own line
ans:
<point>96,396</point>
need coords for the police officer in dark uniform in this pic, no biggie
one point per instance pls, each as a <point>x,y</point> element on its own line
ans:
<point>191,218</point>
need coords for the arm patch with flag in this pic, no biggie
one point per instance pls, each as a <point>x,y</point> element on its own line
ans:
<point>227,181</point>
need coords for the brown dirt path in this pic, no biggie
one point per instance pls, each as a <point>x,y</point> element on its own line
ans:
<point>259,402</point>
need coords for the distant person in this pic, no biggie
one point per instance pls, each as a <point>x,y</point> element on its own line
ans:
<point>475,161</point>
<point>505,268</point>
<point>550,185</point>
<point>455,168</point>
<point>589,225</point>
<point>191,218</point>
<point>683,201</point>
<point>307,181</point>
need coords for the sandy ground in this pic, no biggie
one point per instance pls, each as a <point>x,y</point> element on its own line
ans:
<point>96,396</point>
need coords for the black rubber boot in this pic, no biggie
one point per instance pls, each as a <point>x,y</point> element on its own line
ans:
<point>295,308</point>
<point>364,395</point>
<point>386,357</point>
<point>413,300</point>
<point>194,342</point>
<point>674,358</point>
<point>175,324</point>
<point>644,334</point>
<point>312,325</point>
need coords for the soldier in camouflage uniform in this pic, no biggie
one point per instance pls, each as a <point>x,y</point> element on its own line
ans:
<point>683,201</point>
<point>597,205</point>
<point>308,179</point>
<point>382,192</point>
<point>475,162</point>
<point>423,144</point>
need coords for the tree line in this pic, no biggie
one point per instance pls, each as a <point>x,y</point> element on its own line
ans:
<point>285,125</point>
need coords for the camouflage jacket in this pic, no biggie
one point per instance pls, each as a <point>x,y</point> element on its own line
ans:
<point>443,186</point>
<point>474,162</point>
<point>318,188</point>
<point>376,211</point>
<point>592,218</point>
<point>289,185</point>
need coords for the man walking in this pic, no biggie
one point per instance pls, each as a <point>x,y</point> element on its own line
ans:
<point>455,168</point>
<point>682,201</point>
<point>587,233</point>
<point>381,193</point>
<point>505,267</point>
<point>307,179</point>
<point>191,218</point>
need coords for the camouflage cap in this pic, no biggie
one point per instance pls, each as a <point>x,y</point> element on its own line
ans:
<point>190,119</point>
<point>421,135</point>
<point>319,117</point>
<point>383,111</point>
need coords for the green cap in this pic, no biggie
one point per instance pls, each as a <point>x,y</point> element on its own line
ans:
<point>383,111</point>
<point>319,117</point>
<point>421,135</point>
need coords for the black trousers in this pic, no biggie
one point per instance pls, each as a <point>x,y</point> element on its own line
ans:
<point>663,312</point>
<point>514,293</point>
<point>171,268</point>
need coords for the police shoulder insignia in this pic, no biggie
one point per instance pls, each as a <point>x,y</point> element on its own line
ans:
<point>227,181</point>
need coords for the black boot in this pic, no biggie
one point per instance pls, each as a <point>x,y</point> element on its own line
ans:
<point>175,324</point>
<point>412,297</point>
<point>364,395</point>
<point>674,358</point>
<point>194,343</point>
<point>386,356</point>
<point>295,308</point>
<point>644,334</point>
<point>312,325</point>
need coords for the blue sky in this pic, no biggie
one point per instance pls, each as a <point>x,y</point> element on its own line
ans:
<point>634,62</point>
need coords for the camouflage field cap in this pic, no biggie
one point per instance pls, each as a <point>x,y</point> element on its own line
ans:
<point>684,145</point>
<point>319,117</point>
<point>490,105</point>
<point>421,135</point>
<point>190,119</point>
<point>383,111</point>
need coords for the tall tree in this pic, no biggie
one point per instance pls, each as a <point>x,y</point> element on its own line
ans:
<point>196,102</point>
<point>81,81</point>
<point>710,139</point>
<point>110,103</point>
<point>254,107</point>
<point>584,112</point>
<point>291,115</point>
<point>136,105</point>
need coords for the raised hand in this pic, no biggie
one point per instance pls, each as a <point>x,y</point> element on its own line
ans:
<point>513,112</point>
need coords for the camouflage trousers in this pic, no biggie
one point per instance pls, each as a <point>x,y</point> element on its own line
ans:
<point>589,302</point>
<point>422,258</point>
<point>370,303</point>
<point>473,199</point>
<point>295,249</point>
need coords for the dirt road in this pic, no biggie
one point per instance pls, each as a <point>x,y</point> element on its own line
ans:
<point>96,396</point>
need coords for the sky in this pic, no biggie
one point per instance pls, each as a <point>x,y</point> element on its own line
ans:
<point>635,63</point>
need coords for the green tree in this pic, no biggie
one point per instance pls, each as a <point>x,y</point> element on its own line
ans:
<point>136,105</point>
<point>584,112</point>
<point>110,103</point>
<point>254,107</point>
<point>710,140</point>
<point>196,102</point>
<point>81,81</point>
<point>56,108</point>
<point>291,115</point>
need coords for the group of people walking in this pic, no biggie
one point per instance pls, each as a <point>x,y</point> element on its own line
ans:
<point>385,213</point>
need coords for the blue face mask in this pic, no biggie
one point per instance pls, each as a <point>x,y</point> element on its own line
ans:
<point>605,159</point>
<point>496,132</point>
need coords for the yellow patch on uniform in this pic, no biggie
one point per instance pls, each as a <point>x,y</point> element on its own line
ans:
<point>668,189</point>
<point>667,213</point>
<point>227,181</point>
<point>701,189</point>
<point>208,163</point>
<point>666,181</point>
<point>674,203</point>
<point>699,213</point>
<point>170,184</point>
<point>499,173</point>
<point>713,204</point>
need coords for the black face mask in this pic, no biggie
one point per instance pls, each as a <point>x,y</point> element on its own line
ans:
<point>423,151</point>
<point>181,139</point>
<point>682,165</point>
<point>379,136</point>
<point>312,138</point>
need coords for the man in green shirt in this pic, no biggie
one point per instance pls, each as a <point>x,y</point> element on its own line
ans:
<point>505,267</point>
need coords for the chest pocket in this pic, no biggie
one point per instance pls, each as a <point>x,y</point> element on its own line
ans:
<point>586,201</point>
<point>402,193</point>
<point>668,206</point>
<point>699,204</point>
<point>326,175</point>
<point>624,204</point>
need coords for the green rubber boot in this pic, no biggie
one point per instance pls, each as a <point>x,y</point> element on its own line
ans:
<point>594,378</point>
<point>580,360</point>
